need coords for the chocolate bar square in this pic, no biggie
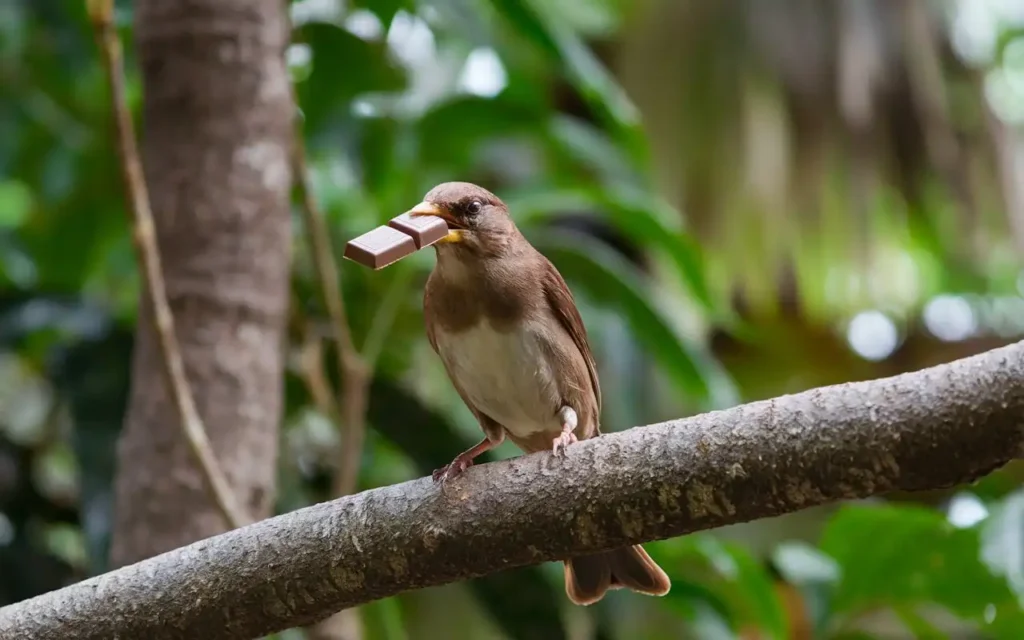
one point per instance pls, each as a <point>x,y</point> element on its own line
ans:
<point>424,230</point>
<point>379,248</point>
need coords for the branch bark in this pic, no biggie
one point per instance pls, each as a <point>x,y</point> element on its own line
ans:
<point>934,428</point>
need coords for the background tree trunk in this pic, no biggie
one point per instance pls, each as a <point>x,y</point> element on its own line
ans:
<point>216,140</point>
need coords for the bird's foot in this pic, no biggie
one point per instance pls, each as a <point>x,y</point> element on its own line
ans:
<point>567,437</point>
<point>452,470</point>
<point>563,440</point>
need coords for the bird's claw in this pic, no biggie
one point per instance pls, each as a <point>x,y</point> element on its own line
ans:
<point>563,440</point>
<point>568,435</point>
<point>452,470</point>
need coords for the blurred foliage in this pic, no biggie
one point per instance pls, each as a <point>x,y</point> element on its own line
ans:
<point>747,198</point>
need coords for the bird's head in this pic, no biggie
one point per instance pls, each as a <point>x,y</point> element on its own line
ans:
<point>478,221</point>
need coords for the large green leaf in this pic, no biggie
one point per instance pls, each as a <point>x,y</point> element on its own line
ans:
<point>905,556</point>
<point>609,280</point>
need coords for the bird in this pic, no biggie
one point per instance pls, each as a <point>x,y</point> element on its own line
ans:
<point>505,325</point>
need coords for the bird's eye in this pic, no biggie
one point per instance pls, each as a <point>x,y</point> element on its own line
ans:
<point>474,207</point>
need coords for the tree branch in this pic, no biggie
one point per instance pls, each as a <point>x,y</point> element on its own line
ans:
<point>934,428</point>
<point>148,254</point>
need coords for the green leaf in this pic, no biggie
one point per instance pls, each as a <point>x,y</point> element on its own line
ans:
<point>646,220</point>
<point>565,49</point>
<point>753,582</point>
<point>687,593</point>
<point>451,132</point>
<point>386,616</point>
<point>730,582</point>
<point>15,203</point>
<point>918,624</point>
<point>591,147</point>
<point>344,66</point>
<point>609,280</point>
<point>70,235</point>
<point>901,556</point>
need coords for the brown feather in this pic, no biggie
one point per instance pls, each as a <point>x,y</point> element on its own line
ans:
<point>564,307</point>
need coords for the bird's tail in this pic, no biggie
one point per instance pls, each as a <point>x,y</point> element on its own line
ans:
<point>587,578</point>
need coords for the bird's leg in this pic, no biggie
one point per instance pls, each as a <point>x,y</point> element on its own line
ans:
<point>465,459</point>
<point>569,421</point>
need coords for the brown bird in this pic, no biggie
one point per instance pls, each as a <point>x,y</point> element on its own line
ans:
<point>506,327</point>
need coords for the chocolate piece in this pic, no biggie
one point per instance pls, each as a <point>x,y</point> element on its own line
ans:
<point>379,248</point>
<point>425,230</point>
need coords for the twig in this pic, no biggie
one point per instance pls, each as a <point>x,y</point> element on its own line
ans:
<point>311,369</point>
<point>355,375</point>
<point>101,13</point>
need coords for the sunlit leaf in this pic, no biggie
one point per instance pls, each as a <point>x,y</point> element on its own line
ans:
<point>909,555</point>
<point>15,203</point>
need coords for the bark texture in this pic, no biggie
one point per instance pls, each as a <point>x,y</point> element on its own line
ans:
<point>933,428</point>
<point>217,130</point>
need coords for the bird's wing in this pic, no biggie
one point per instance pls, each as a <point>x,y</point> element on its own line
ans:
<point>560,299</point>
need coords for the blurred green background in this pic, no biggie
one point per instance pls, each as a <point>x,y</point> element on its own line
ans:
<point>748,198</point>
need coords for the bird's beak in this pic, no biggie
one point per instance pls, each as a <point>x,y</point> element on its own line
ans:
<point>430,209</point>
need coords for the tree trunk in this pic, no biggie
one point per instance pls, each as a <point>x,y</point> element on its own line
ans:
<point>216,140</point>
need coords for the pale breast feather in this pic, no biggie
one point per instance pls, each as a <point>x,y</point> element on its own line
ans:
<point>506,375</point>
